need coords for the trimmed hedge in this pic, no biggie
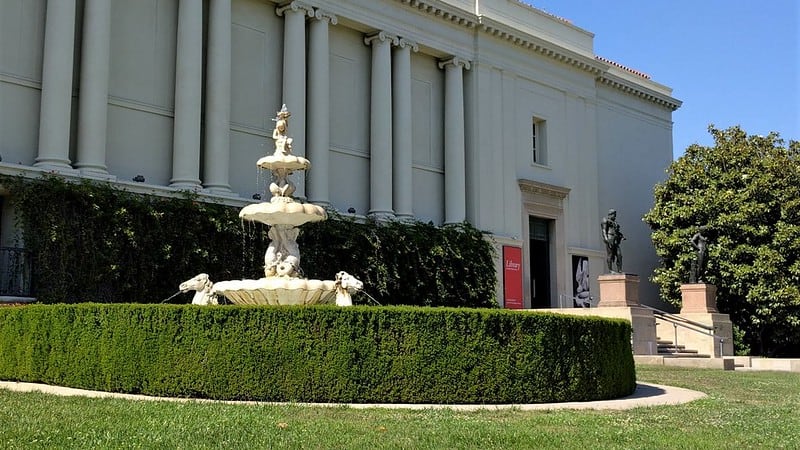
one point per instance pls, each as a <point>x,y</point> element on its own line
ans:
<point>319,354</point>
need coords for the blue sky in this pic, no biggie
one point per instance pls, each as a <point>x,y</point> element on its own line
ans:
<point>731,62</point>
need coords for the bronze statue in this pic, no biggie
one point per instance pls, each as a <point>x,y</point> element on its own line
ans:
<point>700,244</point>
<point>612,236</point>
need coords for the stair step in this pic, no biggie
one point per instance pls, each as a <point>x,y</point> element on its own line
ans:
<point>676,350</point>
<point>684,355</point>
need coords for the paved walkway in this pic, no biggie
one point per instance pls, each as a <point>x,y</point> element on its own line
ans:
<point>645,395</point>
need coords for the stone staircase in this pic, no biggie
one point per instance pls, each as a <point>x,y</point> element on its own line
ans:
<point>668,349</point>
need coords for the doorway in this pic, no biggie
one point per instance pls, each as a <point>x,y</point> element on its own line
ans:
<point>539,240</point>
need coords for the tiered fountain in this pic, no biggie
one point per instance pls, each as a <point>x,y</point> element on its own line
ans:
<point>282,283</point>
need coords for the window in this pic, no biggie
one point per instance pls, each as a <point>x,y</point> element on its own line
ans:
<point>538,141</point>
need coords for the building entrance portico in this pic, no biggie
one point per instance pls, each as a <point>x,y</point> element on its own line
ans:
<point>540,261</point>
<point>544,250</point>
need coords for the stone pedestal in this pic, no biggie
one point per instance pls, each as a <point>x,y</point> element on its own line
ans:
<point>698,298</point>
<point>618,290</point>
<point>700,306</point>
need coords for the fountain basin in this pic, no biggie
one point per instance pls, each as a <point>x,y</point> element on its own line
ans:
<point>281,213</point>
<point>277,291</point>
<point>289,162</point>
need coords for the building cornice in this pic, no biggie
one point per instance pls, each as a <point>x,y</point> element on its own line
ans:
<point>541,46</point>
<point>597,67</point>
<point>638,90</point>
<point>537,187</point>
<point>444,11</point>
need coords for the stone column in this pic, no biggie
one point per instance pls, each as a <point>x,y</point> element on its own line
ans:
<point>402,142</point>
<point>455,184</point>
<point>294,76</point>
<point>218,99</point>
<point>56,99</point>
<point>380,139</point>
<point>188,95</point>
<point>319,121</point>
<point>93,99</point>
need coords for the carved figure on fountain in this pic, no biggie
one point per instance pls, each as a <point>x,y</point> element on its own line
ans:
<point>283,158</point>
<point>282,258</point>
<point>202,286</point>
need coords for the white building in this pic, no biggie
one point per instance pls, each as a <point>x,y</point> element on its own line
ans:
<point>488,111</point>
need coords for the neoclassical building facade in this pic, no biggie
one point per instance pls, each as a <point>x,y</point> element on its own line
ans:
<point>487,111</point>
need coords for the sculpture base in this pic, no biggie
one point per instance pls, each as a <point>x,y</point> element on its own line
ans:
<point>698,298</point>
<point>618,290</point>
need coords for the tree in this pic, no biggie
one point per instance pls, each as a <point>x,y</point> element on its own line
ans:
<point>746,191</point>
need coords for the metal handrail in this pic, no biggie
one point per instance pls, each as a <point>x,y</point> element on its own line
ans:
<point>677,321</point>
<point>679,318</point>
<point>15,272</point>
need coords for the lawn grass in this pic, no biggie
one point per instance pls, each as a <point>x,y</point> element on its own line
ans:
<point>743,410</point>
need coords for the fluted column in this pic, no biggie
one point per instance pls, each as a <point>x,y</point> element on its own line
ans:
<point>402,151</point>
<point>188,95</point>
<point>93,99</point>
<point>218,99</point>
<point>294,76</point>
<point>56,99</point>
<point>380,139</point>
<point>455,185</point>
<point>319,133</point>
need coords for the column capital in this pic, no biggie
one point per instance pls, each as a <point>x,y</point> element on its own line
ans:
<point>321,14</point>
<point>381,36</point>
<point>295,6</point>
<point>403,43</point>
<point>454,61</point>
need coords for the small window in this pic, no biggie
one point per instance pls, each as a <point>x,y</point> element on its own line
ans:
<point>538,141</point>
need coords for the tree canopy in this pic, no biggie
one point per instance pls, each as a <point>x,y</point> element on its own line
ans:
<point>746,190</point>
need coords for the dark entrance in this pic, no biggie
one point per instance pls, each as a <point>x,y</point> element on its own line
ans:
<point>539,238</point>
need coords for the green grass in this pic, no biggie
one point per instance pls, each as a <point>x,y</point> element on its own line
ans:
<point>743,410</point>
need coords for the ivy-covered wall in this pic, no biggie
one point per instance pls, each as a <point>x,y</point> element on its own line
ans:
<point>93,242</point>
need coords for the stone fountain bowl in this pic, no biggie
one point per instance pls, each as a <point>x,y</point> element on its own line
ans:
<point>277,291</point>
<point>289,162</point>
<point>283,213</point>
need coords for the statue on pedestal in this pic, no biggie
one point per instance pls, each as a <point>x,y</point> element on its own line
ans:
<point>700,244</point>
<point>612,236</point>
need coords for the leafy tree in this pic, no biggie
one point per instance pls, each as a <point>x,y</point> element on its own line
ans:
<point>746,190</point>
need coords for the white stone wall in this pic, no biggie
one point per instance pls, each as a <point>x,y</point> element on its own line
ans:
<point>608,130</point>
<point>21,49</point>
<point>256,77</point>
<point>634,149</point>
<point>349,151</point>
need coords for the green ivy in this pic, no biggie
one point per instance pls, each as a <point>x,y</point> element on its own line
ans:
<point>94,242</point>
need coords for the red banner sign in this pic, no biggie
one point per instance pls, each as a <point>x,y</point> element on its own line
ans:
<point>512,277</point>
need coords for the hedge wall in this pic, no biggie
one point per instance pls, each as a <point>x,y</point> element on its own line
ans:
<point>93,242</point>
<point>319,354</point>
